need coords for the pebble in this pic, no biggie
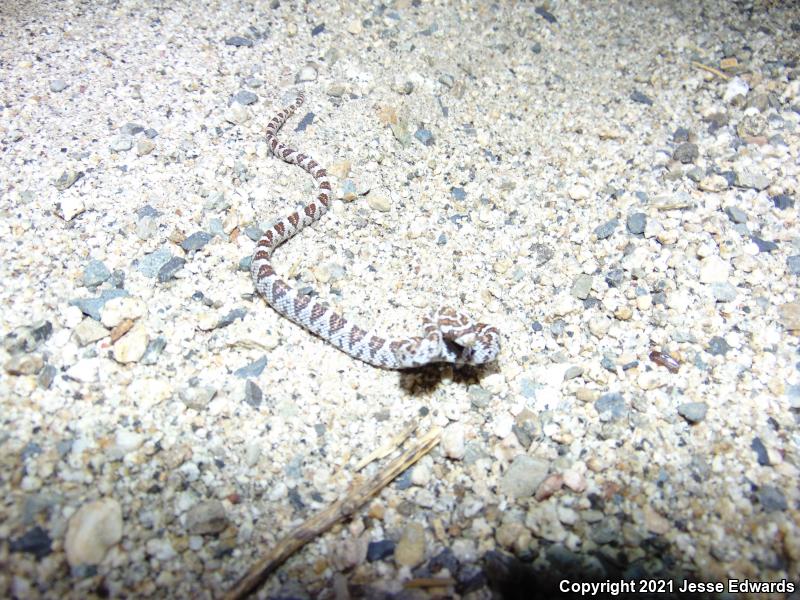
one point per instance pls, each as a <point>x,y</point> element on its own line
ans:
<point>58,85</point>
<point>612,405</point>
<point>762,455</point>
<point>307,73</point>
<point>207,517</point>
<point>636,222</point>
<point>24,364</point>
<point>641,98</point>
<point>686,153</point>
<point>254,369</point>
<point>197,398</point>
<point>410,548</point>
<point>424,136</point>
<point>121,143</point>
<point>782,202</point>
<point>379,202</point>
<point>93,306</point>
<point>70,207</point>
<point>793,264</point>
<point>763,245</point>
<point>606,229</point>
<point>245,97</point>
<point>67,179</point>
<point>694,412</point>
<point>713,269</point>
<point>92,531</point>
<point>196,241</point>
<point>170,268</point>
<point>380,550</point>
<point>735,214</point>
<point>253,394</point>
<point>453,441</point>
<point>717,346</point>
<point>35,541</point>
<point>144,147</point>
<point>95,273</point>
<point>131,346</point>
<point>524,475</point>
<point>581,286</point>
<point>578,192</point>
<point>239,41</point>
<point>771,499</point>
<point>151,264</point>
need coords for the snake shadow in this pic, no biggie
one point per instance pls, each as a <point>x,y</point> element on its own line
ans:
<point>421,381</point>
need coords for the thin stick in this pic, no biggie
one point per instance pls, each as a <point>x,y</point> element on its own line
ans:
<point>324,520</point>
<point>716,72</point>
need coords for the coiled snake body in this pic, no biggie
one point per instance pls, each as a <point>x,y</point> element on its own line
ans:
<point>448,335</point>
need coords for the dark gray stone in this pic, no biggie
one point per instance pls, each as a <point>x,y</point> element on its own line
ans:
<point>380,550</point>
<point>150,264</point>
<point>35,541</point>
<point>606,229</point>
<point>762,456</point>
<point>196,241</point>
<point>612,403</point>
<point>771,499</point>
<point>238,41</point>
<point>546,15</point>
<point>782,201</point>
<point>236,313</point>
<point>168,270</point>
<point>763,245</point>
<point>424,136</point>
<point>686,153</point>
<point>253,394</point>
<point>245,97</point>
<point>636,222</point>
<point>253,369</point>
<point>639,97</point>
<point>717,346</point>
<point>793,264</point>
<point>93,306</point>
<point>153,351</point>
<point>95,273</point>
<point>737,215</point>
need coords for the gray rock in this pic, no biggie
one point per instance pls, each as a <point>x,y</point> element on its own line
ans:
<point>27,338</point>
<point>424,136</point>
<point>169,268</point>
<point>458,193</point>
<point>612,403</point>
<point>95,273</point>
<point>131,129</point>
<point>523,476</point>
<point>606,229</point>
<point>723,292</point>
<point>93,306</point>
<point>686,153</point>
<point>196,241</point>
<point>581,286</point>
<point>782,201</point>
<point>793,264</point>
<point>236,313</point>
<point>694,412</point>
<point>253,369</point>
<point>639,97</point>
<point>67,179</point>
<point>206,517</point>
<point>750,180</point>
<point>771,499</point>
<point>121,143</point>
<point>636,222</point>
<point>717,346</point>
<point>737,215</point>
<point>46,376</point>
<point>150,264</point>
<point>197,397</point>
<point>238,41</point>
<point>245,97</point>
<point>764,245</point>
<point>153,351</point>
<point>252,393</point>
<point>762,456</point>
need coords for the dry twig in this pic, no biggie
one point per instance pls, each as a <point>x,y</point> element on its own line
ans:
<point>324,520</point>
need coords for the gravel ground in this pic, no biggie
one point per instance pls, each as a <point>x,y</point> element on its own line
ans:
<point>613,185</point>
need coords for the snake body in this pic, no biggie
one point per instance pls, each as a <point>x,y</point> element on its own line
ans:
<point>447,336</point>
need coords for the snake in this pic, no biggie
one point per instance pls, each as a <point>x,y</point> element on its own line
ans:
<point>447,335</point>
